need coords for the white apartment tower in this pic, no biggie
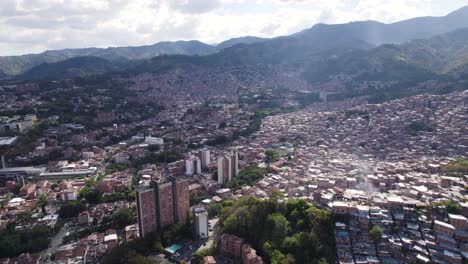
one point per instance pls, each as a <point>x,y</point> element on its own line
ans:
<point>192,166</point>
<point>200,216</point>
<point>224,170</point>
<point>228,167</point>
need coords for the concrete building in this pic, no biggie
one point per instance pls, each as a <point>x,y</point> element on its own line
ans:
<point>201,222</point>
<point>16,123</point>
<point>224,170</point>
<point>161,204</point>
<point>459,222</point>
<point>443,228</point>
<point>205,158</point>
<point>228,167</point>
<point>192,166</point>
<point>67,195</point>
<point>154,141</point>
<point>234,163</point>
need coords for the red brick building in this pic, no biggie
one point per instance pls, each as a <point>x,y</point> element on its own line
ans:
<point>105,117</point>
<point>249,255</point>
<point>231,245</point>
<point>235,247</point>
<point>146,206</point>
<point>182,200</point>
<point>162,204</point>
<point>165,204</point>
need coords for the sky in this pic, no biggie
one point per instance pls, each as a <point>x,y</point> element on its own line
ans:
<point>32,26</point>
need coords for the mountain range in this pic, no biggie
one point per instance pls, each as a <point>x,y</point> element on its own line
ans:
<point>17,65</point>
<point>371,50</point>
<point>445,54</point>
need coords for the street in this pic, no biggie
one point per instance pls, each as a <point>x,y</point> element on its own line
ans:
<point>55,243</point>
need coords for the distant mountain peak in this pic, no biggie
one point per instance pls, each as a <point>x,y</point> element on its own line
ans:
<point>460,12</point>
<point>240,40</point>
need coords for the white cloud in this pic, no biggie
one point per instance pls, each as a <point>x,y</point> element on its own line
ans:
<point>36,25</point>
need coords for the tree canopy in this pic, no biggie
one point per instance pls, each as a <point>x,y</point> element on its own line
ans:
<point>247,176</point>
<point>457,167</point>
<point>376,232</point>
<point>291,232</point>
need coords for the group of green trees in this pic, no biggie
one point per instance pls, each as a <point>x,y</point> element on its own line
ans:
<point>281,232</point>
<point>219,140</point>
<point>271,155</point>
<point>197,197</point>
<point>161,157</point>
<point>450,206</point>
<point>419,126</point>
<point>24,145</point>
<point>115,167</point>
<point>15,242</point>
<point>94,196</point>
<point>457,167</point>
<point>376,232</point>
<point>247,176</point>
<point>71,209</point>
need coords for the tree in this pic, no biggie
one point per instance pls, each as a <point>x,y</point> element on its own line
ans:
<point>277,257</point>
<point>25,216</point>
<point>14,243</point>
<point>200,254</point>
<point>276,195</point>
<point>271,155</point>
<point>71,209</point>
<point>153,148</point>
<point>158,247</point>
<point>303,246</point>
<point>279,228</point>
<point>42,203</point>
<point>219,140</point>
<point>92,196</point>
<point>214,175</point>
<point>214,209</point>
<point>376,232</point>
<point>139,259</point>
<point>197,197</point>
<point>247,176</point>
<point>175,232</point>
<point>123,217</point>
<point>457,167</point>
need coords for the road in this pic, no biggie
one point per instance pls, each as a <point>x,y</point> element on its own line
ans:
<point>212,235</point>
<point>55,243</point>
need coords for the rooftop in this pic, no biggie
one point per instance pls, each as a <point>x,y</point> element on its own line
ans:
<point>6,141</point>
